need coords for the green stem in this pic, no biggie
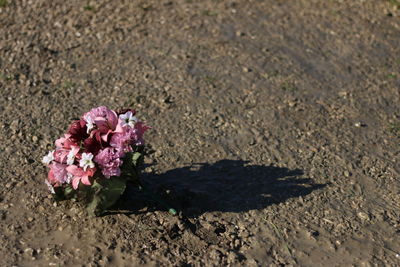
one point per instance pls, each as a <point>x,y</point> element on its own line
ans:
<point>157,199</point>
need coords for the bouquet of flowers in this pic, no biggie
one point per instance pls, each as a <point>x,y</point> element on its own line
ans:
<point>95,159</point>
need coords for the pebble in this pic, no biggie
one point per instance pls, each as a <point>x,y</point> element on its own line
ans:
<point>14,125</point>
<point>363,216</point>
<point>245,69</point>
<point>236,243</point>
<point>9,185</point>
<point>29,251</point>
<point>35,138</point>
<point>231,257</point>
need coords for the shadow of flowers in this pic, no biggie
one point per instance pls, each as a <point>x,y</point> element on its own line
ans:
<point>225,186</point>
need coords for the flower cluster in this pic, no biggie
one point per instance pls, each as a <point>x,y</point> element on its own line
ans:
<point>95,144</point>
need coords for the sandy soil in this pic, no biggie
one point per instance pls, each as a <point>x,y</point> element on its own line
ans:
<point>276,130</point>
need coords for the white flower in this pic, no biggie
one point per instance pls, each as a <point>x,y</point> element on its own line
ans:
<point>69,178</point>
<point>86,161</point>
<point>89,123</point>
<point>70,157</point>
<point>48,158</point>
<point>128,119</point>
<point>51,188</point>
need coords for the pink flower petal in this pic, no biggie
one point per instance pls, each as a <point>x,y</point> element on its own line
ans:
<point>51,177</point>
<point>85,180</point>
<point>64,142</point>
<point>79,175</point>
<point>75,182</point>
<point>74,170</point>
<point>59,172</point>
<point>104,118</point>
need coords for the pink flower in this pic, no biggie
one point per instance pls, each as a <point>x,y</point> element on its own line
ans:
<point>65,142</point>
<point>79,175</point>
<point>106,120</point>
<point>129,136</point>
<point>60,155</point>
<point>63,155</point>
<point>109,161</point>
<point>58,174</point>
<point>52,180</point>
<point>140,130</point>
<point>123,140</point>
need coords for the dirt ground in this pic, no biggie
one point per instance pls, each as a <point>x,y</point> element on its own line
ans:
<point>276,129</point>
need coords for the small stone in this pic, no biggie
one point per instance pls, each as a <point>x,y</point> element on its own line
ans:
<point>236,243</point>
<point>231,257</point>
<point>363,216</point>
<point>14,125</point>
<point>359,124</point>
<point>9,185</point>
<point>30,219</point>
<point>35,138</point>
<point>245,69</point>
<point>29,251</point>
<point>346,173</point>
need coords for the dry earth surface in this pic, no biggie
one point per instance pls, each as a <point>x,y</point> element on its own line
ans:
<point>276,129</point>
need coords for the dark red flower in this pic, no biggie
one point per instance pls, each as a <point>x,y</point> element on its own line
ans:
<point>125,110</point>
<point>92,145</point>
<point>78,131</point>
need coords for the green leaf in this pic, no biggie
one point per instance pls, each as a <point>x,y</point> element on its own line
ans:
<point>69,192</point>
<point>137,159</point>
<point>63,193</point>
<point>105,193</point>
<point>132,164</point>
